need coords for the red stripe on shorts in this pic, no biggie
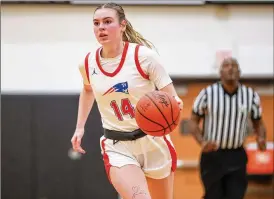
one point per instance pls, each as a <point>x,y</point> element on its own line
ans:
<point>173,154</point>
<point>106,158</point>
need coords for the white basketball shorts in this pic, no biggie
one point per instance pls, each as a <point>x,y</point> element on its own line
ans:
<point>156,156</point>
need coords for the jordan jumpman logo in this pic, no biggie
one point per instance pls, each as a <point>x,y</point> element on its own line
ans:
<point>94,72</point>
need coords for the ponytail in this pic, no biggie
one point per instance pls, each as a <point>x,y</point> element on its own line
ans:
<point>133,36</point>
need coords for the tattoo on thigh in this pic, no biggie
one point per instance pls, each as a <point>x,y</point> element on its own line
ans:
<point>137,191</point>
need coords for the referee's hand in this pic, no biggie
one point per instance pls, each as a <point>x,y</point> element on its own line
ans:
<point>209,146</point>
<point>261,143</point>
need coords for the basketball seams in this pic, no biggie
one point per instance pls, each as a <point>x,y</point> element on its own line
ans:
<point>161,126</point>
<point>176,118</point>
<point>159,110</point>
<point>164,129</point>
<point>149,119</point>
<point>170,107</point>
<point>173,121</point>
<point>153,113</point>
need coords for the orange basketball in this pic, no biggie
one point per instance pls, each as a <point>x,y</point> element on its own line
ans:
<point>157,113</point>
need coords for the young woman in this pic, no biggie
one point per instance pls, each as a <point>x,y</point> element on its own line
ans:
<point>117,75</point>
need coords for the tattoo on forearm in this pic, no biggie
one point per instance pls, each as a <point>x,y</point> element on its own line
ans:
<point>137,191</point>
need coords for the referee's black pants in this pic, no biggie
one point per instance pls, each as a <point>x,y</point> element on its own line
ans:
<point>223,173</point>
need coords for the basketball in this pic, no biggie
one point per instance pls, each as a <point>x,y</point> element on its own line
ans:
<point>157,113</point>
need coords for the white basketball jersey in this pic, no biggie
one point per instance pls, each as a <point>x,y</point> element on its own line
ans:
<point>118,83</point>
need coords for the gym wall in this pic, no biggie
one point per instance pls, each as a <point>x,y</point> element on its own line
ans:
<point>49,41</point>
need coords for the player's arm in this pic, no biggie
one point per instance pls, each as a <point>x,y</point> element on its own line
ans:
<point>86,101</point>
<point>157,73</point>
<point>171,90</point>
<point>258,125</point>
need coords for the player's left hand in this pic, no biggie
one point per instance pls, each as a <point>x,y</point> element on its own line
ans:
<point>179,101</point>
<point>261,142</point>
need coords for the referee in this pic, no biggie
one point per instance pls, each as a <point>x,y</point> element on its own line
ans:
<point>224,108</point>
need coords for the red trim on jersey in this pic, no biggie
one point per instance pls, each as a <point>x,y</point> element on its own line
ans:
<point>86,66</point>
<point>137,63</point>
<point>106,158</point>
<point>120,65</point>
<point>172,153</point>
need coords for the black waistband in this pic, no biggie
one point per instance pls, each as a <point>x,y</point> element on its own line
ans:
<point>123,136</point>
<point>231,149</point>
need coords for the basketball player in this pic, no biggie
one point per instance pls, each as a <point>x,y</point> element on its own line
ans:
<point>117,75</point>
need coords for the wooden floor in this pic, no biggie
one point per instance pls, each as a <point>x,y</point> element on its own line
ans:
<point>188,186</point>
<point>256,191</point>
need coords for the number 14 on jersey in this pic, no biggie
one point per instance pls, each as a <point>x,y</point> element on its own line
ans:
<point>126,108</point>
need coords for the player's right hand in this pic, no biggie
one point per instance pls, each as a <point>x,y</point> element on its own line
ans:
<point>76,141</point>
<point>179,101</point>
<point>209,146</point>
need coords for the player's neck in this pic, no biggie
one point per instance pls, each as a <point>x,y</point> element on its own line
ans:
<point>113,50</point>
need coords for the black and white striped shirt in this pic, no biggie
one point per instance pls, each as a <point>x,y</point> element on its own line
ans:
<point>226,115</point>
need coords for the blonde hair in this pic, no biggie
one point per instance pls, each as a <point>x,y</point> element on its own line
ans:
<point>130,34</point>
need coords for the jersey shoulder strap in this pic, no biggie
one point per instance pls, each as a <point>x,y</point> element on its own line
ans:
<point>137,63</point>
<point>86,66</point>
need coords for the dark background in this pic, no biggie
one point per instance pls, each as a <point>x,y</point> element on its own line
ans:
<point>36,133</point>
